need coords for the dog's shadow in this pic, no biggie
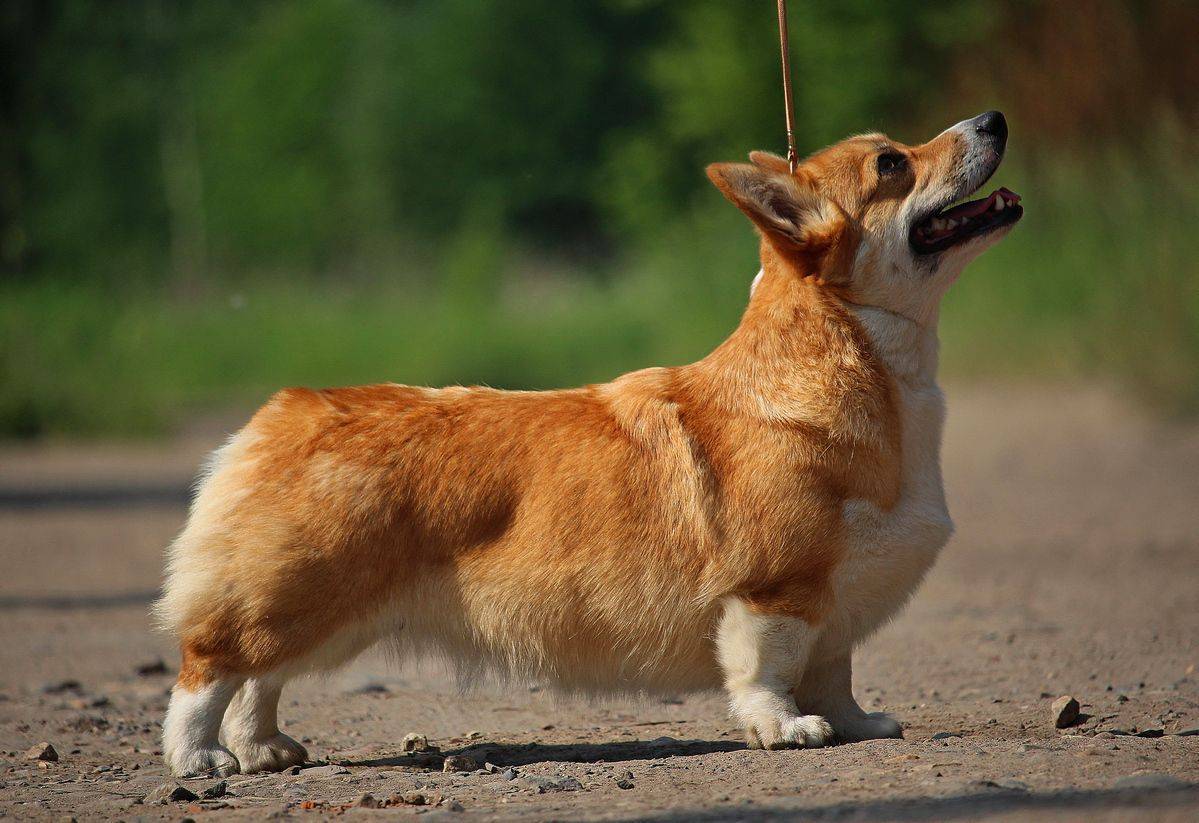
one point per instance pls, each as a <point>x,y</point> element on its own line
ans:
<point>522,754</point>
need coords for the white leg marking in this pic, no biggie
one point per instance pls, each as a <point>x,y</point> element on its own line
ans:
<point>191,728</point>
<point>827,688</point>
<point>252,730</point>
<point>763,658</point>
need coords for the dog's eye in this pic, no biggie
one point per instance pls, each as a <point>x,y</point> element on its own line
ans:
<point>890,162</point>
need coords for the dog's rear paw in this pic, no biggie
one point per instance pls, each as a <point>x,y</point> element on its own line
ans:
<point>807,732</point>
<point>216,761</point>
<point>874,726</point>
<point>274,754</point>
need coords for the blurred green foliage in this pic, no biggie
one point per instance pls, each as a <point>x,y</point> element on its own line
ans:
<point>201,201</point>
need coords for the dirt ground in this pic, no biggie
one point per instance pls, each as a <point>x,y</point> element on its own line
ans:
<point>1074,571</point>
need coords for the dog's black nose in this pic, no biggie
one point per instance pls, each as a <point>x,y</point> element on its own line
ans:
<point>994,125</point>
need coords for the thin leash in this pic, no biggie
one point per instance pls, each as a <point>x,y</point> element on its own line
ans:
<point>789,109</point>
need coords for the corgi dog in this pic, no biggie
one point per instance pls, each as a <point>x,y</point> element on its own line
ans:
<point>742,522</point>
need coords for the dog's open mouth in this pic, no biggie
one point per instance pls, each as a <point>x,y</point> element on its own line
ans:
<point>957,224</point>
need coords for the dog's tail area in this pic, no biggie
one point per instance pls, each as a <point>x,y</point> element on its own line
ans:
<point>196,559</point>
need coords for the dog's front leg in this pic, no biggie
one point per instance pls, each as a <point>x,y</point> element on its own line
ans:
<point>763,656</point>
<point>827,689</point>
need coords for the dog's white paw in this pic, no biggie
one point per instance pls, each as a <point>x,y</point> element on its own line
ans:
<point>212,761</point>
<point>809,731</point>
<point>274,754</point>
<point>874,726</point>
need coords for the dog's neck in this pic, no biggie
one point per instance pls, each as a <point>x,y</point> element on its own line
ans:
<point>907,346</point>
<point>798,355</point>
<point>805,351</point>
<point>910,350</point>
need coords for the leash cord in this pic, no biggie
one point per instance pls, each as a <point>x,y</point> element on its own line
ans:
<point>788,108</point>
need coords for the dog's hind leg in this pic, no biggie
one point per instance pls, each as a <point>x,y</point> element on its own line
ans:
<point>191,730</point>
<point>252,729</point>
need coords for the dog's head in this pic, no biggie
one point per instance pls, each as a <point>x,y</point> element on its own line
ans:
<point>875,219</point>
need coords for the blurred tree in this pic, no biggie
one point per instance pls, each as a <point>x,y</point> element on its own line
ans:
<point>186,142</point>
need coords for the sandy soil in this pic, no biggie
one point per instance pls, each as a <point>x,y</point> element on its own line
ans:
<point>1075,570</point>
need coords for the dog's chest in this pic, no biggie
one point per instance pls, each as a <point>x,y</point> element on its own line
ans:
<point>888,552</point>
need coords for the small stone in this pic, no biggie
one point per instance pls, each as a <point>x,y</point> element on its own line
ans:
<point>371,687</point>
<point>415,743</point>
<point>368,801</point>
<point>455,806</point>
<point>474,735</point>
<point>491,768</point>
<point>459,763</point>
<point>944,735</point>
<point>169,793</point>
<point>414,798</point>
<point>509,774</point>
<point>625,783</point>
<point>1154,731</point>
<point>152,668</point>
<point>60,686</point>
<point>216,790</point>
<point>542,784</point>
<point>1064,711</point>
<point>323,771</point>
<point>42,751</point>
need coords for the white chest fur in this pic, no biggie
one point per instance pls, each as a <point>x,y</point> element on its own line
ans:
<point>888,552</point>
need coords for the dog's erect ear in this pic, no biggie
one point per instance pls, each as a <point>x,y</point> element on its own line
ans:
<point>786,207</point>
<point>799,222</point>
<point>776,203</point>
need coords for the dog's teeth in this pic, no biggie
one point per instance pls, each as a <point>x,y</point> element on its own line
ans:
<point>938,224</point>
<point>999,204</point>
<point>951,223</point>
